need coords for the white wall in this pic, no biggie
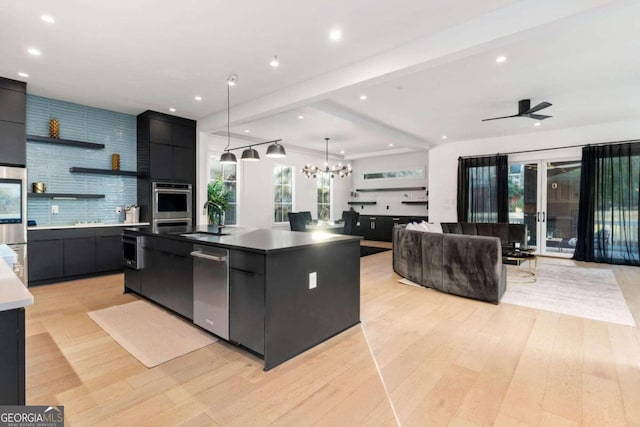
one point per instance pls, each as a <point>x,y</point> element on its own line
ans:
<point>389,202</point>
<point>443,159</point>
<point>255,183</point>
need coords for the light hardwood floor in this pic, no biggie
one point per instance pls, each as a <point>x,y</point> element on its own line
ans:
<point>445,361</point>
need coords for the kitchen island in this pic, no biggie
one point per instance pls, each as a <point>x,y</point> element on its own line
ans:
<point>14,297</point>
<point>276,293</point>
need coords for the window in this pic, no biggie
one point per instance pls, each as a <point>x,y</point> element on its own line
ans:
<point>228,175</point>
<point>323,182</point>
<point>283,192</point>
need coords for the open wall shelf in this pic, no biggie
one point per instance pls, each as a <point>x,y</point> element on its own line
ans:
<point>67,142</point>
<point>415,202</point>
<point>75,169</point>
<point>391,189</point>
<point>361,203</point>
<point>67,196</point>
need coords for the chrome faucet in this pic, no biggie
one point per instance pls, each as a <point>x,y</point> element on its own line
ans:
<point>207,204</point>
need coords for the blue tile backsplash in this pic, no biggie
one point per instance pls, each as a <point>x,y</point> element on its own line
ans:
<point>50,163</point>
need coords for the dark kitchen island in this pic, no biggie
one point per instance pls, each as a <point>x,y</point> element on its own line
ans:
<point>273,307</point>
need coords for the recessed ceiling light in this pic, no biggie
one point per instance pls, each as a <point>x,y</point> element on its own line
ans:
<point>363,97</point>
<point>335,34</point>
<point>341,151</point>
<point>500,59</point>
<point>173,110</point>
<point>444,136</point>
<point>33,51</point>
<point>300,117</point>
<point>197,98</point>
<point>274,62</point>
<point>247,131</point>
<point>21,74</point>
<point>537,124</point>
<point>390,145</point>
<point>48,19</point>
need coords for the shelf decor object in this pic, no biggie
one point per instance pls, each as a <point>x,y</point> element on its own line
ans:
<point>339,169</point>
<point>115,162</point>
<point>67,142</point>
<point>38,187</point>
<point>54,128</point>
<point>76,169</point>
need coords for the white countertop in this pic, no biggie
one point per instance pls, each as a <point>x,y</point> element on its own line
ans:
<point>13,294</point>
<point>87,225</point>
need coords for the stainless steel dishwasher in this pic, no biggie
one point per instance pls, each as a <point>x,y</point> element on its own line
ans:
<point>211,289</point>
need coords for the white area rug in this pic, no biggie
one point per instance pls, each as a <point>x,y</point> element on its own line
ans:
<point>151,334</point>
<point>592,293</point>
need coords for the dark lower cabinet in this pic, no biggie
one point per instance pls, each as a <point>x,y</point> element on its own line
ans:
<point>169,282</point>
<point>45,260</point>
<point>12,357</point>
<point>133,279</point>
<point>108,253</point>
<point>79,256</point>
<point>380,227</point>
<point>246,309</point>
<point>66,253</point>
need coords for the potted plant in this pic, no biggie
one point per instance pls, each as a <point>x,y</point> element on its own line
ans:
<point>217,202</point>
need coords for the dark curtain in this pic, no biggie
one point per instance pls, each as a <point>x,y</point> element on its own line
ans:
<point>608,222</point>
<point>483,189</point>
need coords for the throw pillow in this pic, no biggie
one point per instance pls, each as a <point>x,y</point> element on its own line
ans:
<point>435,227</point>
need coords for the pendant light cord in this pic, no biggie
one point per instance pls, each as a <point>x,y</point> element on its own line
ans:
<point>228,117</point>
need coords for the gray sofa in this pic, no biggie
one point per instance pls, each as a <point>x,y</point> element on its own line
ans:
<point>465,265</point>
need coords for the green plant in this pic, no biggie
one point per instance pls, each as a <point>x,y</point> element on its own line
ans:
<point>217,199</point>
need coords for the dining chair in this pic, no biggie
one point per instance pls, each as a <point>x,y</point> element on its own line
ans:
<point>350,221</point>
<point>297,221</point>
<point>307,216</point>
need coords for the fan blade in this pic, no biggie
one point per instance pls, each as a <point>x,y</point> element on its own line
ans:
<point>538,107</point>
<point>498,118</point>
<point>536,116</point>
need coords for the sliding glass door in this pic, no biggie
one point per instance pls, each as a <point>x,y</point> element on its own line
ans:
<point>544,195</point>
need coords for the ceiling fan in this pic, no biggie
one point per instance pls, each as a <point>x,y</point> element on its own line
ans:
<point>525,110</point>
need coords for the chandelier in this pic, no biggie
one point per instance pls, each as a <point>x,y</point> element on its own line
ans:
<point>339,169</point>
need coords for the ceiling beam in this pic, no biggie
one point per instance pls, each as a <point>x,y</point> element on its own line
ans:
<point>366,122</point>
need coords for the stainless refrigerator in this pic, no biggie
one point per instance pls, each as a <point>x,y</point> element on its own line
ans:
<point>13,216</point>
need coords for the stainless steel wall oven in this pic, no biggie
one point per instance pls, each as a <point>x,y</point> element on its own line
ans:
<point>171,203</point>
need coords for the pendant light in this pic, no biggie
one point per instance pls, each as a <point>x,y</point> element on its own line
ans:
<point>228,157</point>
<point>339,169</point>
<point>250,155</point>
<point>276,151</point>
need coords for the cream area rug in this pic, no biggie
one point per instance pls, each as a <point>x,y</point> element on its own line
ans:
<point>151,334</point>
<point>592,293</point>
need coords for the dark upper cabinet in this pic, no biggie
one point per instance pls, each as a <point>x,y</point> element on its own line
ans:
<point>13,106</point>
<point>160,162</point>
<point>159,131</point>
<point>183,136</point>
<point>13,144</point>
<point>184,164</point>
<point>166,152</point>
